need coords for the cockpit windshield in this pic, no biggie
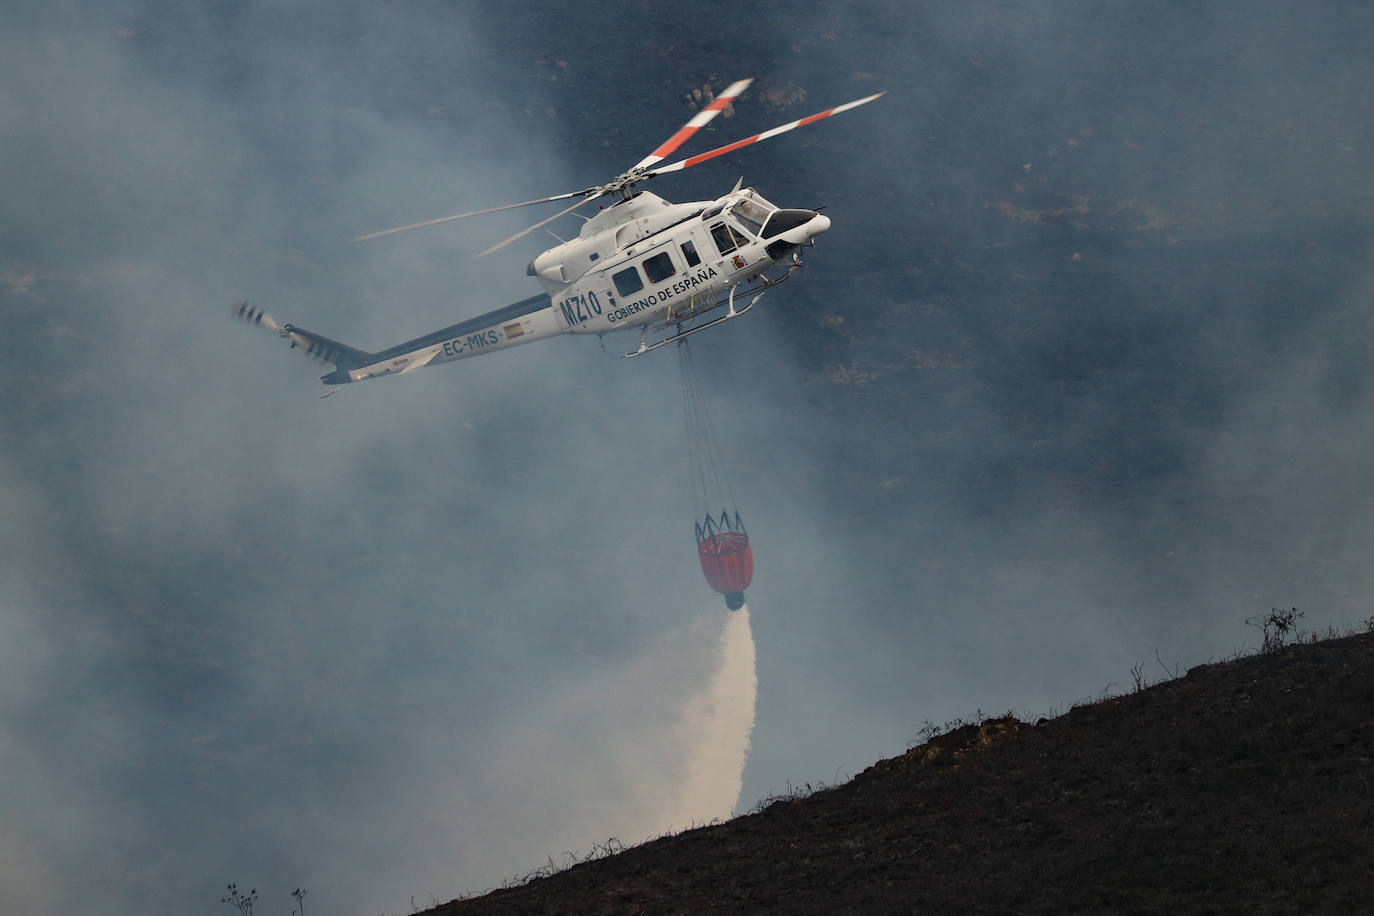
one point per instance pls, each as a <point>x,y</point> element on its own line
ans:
<point>751,215</point>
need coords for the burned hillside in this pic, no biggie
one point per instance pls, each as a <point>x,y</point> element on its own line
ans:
<point>1244,785</point>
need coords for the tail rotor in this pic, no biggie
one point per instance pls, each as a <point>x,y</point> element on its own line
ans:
<point>244,310</point>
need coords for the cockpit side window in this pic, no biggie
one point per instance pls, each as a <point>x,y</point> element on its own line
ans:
<point>727,238</point>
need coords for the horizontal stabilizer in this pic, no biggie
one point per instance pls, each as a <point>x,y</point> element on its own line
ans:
<point>423,360</point>
<point>330,351</point>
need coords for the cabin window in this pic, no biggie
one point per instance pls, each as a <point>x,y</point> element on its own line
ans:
<point>726,238</point>
<point>659,267</point>
<point>689,251</point>
<point>627,281</point>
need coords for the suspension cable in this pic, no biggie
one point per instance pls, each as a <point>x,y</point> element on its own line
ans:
<point>703,448</point>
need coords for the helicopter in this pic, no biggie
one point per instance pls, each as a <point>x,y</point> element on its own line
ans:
<point>642,262</point>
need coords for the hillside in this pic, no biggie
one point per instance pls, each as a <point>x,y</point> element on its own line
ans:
<point>1243,786</point>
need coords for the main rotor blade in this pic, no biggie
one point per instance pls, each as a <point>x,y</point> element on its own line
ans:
<point>738,144</point>
<point>700,120</point>
<point>449,219</point>
<point>595,193</point>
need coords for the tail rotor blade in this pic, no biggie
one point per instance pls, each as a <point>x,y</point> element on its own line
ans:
<point>246,311</point>
<point>767,134</point>
<point>702,118</point>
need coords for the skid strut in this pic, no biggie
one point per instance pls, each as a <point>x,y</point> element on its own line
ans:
<point>680,335</point>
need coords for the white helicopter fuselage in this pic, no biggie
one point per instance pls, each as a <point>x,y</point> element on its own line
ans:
<point>644,259</point>
<point>618,243</point>
<point>640,263</point>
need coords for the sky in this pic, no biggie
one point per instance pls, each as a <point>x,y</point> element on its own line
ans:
<point>1077,381</point>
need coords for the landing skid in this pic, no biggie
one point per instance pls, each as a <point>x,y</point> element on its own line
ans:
<point>733,313</point>
<point>645,346</point>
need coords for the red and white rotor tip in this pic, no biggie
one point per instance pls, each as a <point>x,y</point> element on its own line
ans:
<point>700,120</point>
<point>764,135</point>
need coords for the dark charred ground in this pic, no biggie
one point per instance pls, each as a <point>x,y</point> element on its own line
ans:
<point>1243,786</point>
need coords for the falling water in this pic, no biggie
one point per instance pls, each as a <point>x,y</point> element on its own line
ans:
<point>714,728</point>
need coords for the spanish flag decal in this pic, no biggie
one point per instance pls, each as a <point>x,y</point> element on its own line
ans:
<point>513,330</point>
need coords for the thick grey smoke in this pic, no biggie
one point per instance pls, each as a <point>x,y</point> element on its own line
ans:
<point>1078,375</point>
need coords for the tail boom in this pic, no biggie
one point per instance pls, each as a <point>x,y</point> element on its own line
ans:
<point>518,323</point>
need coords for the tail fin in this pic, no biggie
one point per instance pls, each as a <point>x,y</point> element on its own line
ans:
<point>322,348</point>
